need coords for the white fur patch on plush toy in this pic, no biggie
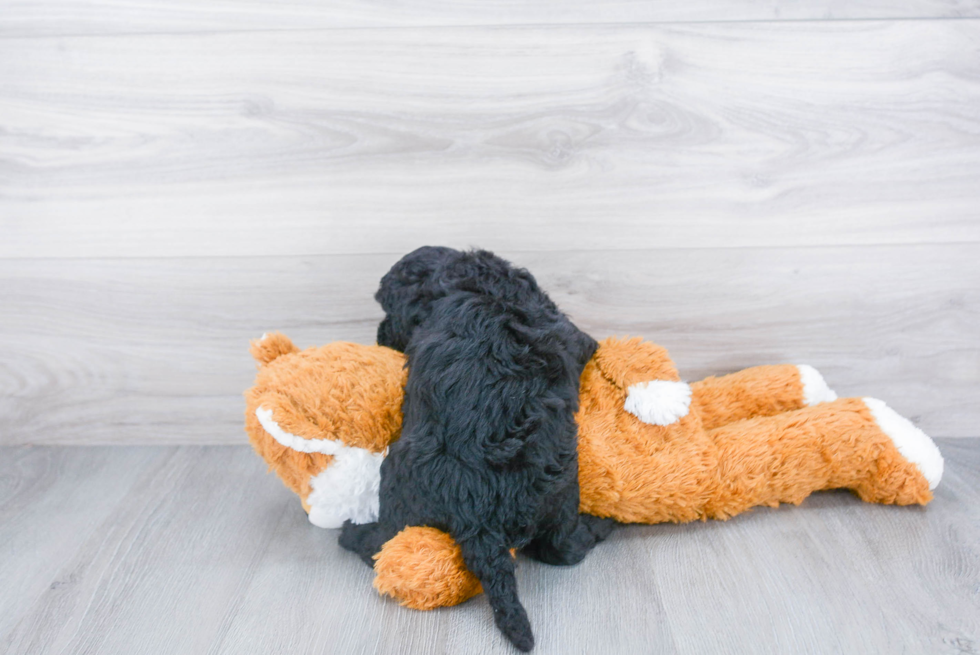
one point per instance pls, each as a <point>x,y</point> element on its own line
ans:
<point>914,444</point>
<point>815,388</point>
<point>658,402</point>
<point>347,489</point>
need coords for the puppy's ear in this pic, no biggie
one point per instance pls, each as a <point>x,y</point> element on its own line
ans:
<point>407,291</point>
<point>581,346</point>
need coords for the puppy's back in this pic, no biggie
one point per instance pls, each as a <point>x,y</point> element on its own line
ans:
<point>491,381</point>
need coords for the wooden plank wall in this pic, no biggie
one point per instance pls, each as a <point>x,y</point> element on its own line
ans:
<point>742,182</point>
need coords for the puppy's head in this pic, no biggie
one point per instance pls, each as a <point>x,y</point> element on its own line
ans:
<point>323,419</point>
<point>407,292</point>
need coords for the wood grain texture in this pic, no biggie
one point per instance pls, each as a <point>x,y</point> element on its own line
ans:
<point>51,503</point>
<point>63,17</point>
<point>197,549</point>
<point>155,351</point>
<point>515,138</point>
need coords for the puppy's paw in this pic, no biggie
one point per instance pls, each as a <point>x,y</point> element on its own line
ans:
<point>365,540</point>
<point>572,548</point>
<point>599,527</point>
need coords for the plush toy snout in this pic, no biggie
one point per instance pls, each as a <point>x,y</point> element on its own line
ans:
<point>346,488</point>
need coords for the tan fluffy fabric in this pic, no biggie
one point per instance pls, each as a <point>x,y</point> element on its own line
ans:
<point>747,440</point>
<point>343,391</point>
<point>757,391</point>
<point>786,457</point>
<point>423,569</point>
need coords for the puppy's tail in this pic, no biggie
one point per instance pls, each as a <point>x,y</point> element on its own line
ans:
<point>493,565</point>
<point>270,346</point>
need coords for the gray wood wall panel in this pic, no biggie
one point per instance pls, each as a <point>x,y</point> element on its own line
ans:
<point>740,192</point>
<point>64,17</point>
<point>155,350</point>
<point>199,550</point>
<point>529,138</point>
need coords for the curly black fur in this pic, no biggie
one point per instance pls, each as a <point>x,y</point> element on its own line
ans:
<point>488,445</point>
<point>425,275</point>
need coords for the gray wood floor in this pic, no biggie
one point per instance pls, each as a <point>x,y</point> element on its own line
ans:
<point>198,550</point>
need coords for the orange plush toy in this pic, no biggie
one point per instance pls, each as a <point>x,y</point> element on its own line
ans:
<point>651,448</point>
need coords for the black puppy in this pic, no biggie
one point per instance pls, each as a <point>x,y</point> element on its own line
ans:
<point>488,445</point>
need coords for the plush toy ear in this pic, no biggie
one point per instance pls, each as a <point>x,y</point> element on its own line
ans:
<point>629,361</point>
<point>271,345</point>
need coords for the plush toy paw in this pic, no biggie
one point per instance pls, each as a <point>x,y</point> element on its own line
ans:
<point>422,568</point>
<point>914,444</point>
<point>815,389</point>
<point>658,402</point>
